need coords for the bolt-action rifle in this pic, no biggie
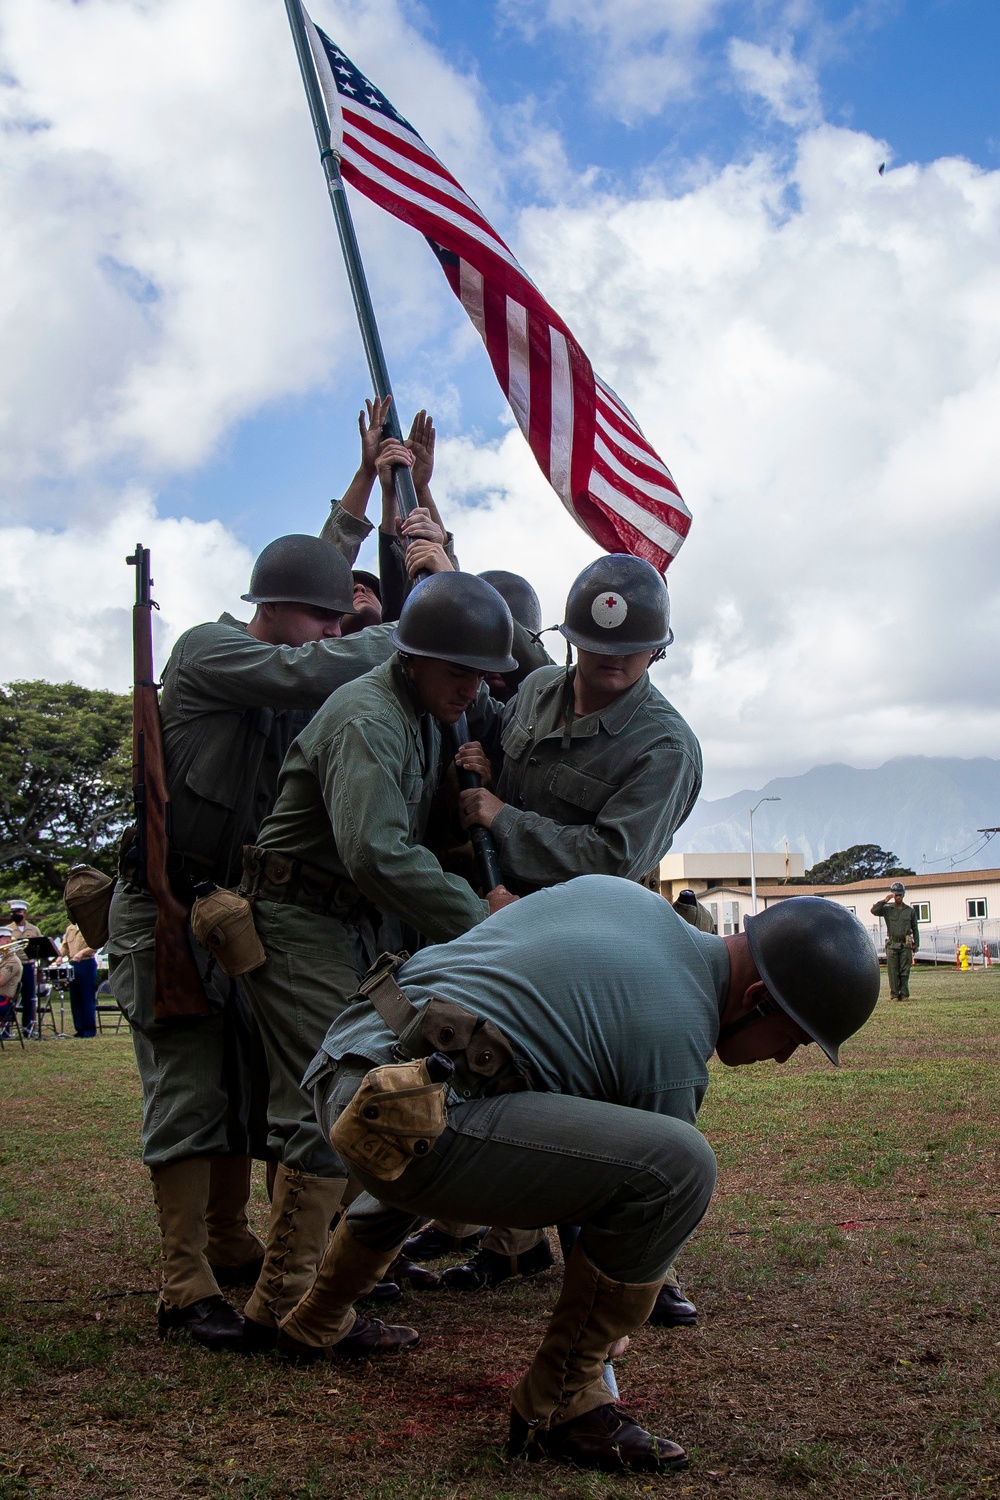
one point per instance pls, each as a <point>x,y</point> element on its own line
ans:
<point>177,988</point>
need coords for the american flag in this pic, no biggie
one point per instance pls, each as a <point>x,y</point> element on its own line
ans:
<point>586,442</point>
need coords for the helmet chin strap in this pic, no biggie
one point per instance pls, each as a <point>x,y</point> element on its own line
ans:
<point>765,1007</point>
<point>568,700</point>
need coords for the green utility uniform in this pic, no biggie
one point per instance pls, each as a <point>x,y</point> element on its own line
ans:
<point>228,712</point>
<point>348,533</point>
<point>615,1037</point>
<point>609,802</point>
<point>901,942</point>
<point>345,531</point>
<point>696,915</point>
<point>341,848</point>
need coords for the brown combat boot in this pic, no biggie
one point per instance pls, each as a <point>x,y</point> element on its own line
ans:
<point>561,1406</point>
<point>302,1209</point>
<point>190,1299</point>
<point>324,1323</point>
<point>234,1252</point>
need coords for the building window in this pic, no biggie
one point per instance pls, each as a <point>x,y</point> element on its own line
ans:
<point>713,907</point>
<point>923,910</point>
<point>975,908</point>
<point>730,918</point>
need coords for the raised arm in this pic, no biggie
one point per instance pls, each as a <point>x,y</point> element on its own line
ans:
<point>347,525</point>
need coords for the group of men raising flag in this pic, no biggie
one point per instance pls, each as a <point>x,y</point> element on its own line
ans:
<point>540,1059</point>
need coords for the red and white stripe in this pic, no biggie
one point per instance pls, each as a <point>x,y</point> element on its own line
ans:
<point>585,440</point>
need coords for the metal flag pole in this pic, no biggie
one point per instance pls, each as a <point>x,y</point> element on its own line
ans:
<point>406,496</point>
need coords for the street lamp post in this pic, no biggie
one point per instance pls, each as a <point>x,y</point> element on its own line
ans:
<point>753,869</point>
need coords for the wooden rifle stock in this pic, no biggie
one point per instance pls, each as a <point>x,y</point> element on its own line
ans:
<point>177,988</point>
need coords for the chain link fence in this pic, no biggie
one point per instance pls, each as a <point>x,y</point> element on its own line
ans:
<point>940,945</point>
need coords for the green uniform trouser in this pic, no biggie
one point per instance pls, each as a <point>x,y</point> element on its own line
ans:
<point>898,961</point>
<point>638,1183</point>
<point>195,1073</point>
<point>314,965</point>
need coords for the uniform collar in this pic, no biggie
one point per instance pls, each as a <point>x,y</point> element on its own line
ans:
<point>614,718</point>
<point>392,674</point>
<point>227,619</point>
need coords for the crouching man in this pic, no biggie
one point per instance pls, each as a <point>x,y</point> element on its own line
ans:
<point>579,1023</point>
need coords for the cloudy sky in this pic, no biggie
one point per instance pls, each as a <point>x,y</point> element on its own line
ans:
<point>694,184</point>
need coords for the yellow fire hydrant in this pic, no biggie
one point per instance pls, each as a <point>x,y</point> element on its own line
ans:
<point>963,957</point>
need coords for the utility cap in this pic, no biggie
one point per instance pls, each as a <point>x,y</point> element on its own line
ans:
<point>299,569</point>
<point>459,618</point>
<point>618,605</point>
<point>898,888</point>
<point>522,601</point>
<point>819,964</point>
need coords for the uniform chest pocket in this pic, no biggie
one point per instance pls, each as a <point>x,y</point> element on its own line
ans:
<point>216,773</point>
<point>579,789</point>
<point>411,786</point>
<point>515,740</point>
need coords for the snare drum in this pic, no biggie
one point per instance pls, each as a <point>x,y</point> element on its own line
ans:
<point>60,974</point>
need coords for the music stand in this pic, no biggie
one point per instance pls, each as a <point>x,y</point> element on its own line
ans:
<point>42,950</point>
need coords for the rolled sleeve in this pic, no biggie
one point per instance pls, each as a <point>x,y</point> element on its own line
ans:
<point>346,532</point>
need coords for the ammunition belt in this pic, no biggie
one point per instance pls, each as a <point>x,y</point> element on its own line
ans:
<point>483,1059</point>
<point>184,870</point>
<point>269,875</point>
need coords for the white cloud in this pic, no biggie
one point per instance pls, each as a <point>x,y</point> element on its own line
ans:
<point>505,516</point>
<point>812,347</point>
<point>640,53</point>
<point>68,594</point>
<point>787,85</point>
<point>814,351</point>
<point>168,262</point>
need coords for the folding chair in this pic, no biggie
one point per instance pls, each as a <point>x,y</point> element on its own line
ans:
<point>104,995</point>
<point>8,1018</point>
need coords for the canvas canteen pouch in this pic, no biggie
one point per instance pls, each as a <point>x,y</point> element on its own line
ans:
<point>223,924</point>
<point>87,894</point>
<point>394,1119</point>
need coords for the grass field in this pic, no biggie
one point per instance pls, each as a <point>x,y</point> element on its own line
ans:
<point>846,1279</point>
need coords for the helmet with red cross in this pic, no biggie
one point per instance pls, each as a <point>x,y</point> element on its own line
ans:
<point>617,606</point>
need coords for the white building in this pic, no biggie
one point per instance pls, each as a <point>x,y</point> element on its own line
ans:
<point>960,907</point>
<point>705,872</point>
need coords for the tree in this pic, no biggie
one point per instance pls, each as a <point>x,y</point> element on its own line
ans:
<point>65,782</point>
<point>860,862</point>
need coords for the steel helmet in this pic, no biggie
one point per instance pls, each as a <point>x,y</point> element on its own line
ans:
<point>457,617</point>
<point>898,888</point>
<point>522,601</point>
<point>617,606</point>
<point>369,580</point>
<point>819,964</point>
<point>300,569</point>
